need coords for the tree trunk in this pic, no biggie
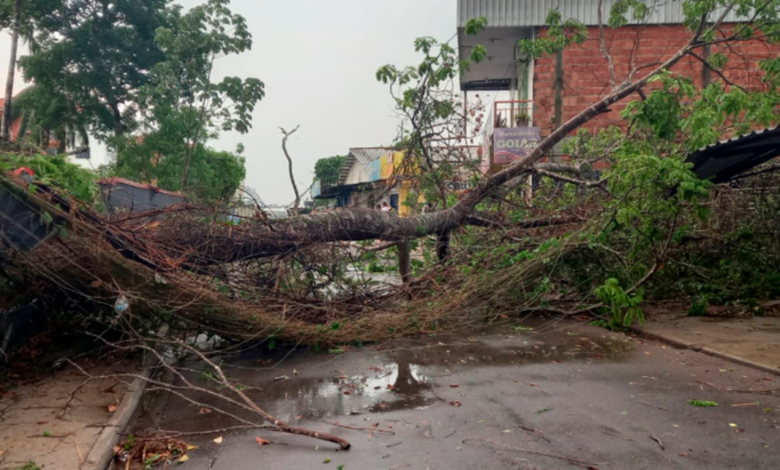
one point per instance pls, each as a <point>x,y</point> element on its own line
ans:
<point>9,84</point>
<point>443,246</point>
<point>185,179</point>
<point>405,262</point>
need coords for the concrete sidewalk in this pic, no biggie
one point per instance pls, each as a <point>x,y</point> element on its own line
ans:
<point>45,422</point>
<point>752,341</point>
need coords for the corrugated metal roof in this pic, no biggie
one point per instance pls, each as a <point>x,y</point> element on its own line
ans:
<point>723,160</point>
<point>517,13</point>
<point>364,155</point>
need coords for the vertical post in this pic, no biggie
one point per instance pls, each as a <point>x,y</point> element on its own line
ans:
<point>405,261</point>
<point>558,89</point>
<point>558,92</point>
<point>706,73</point>
<point>465,116</point>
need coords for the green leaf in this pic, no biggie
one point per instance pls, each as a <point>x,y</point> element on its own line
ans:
<point>703,404</point>
<point>475,25</point>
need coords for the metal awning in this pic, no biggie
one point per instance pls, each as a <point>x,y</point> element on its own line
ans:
<point>726,159</point>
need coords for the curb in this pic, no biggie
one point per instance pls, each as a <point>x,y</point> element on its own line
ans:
<point>678,343</point>
<point>102,452</point>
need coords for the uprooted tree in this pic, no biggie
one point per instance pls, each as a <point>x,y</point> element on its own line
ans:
<point>669,118</point>
<point>672,103</point>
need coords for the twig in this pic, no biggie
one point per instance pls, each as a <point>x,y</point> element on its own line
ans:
<point>571,460</point>
<point>707,383</point>
<point>243,400</point>
<point>9,447</point>
<point>758,392</point>
<point>660,444</point>
<point>395,444</point>
<point>451,434</point>
<point>400,466</point>
<point>650,405</point>
<point>81,456</point>
<point>355,428</point>
<point>618,436</point>
<point>720,74</point>
<point>535,433</point>
<point>174,434</point>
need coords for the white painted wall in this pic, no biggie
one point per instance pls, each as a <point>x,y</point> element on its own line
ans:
<point>100,153</point>
<point>357,174</point>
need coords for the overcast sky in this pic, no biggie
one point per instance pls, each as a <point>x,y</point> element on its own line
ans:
<point>318,59</point>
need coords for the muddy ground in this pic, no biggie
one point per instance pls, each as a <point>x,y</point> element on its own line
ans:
<point>556,397</point>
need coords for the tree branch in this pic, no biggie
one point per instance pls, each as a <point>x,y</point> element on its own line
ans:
<point>287,135</point>
<point>720,74</point>
<point>604,51</point>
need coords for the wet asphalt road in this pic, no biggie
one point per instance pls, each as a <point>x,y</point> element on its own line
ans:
<point>573,396</point>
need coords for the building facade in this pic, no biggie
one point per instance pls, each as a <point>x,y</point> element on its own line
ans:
<point>546,92</point>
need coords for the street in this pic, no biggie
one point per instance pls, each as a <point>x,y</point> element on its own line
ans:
<point>556,396</point>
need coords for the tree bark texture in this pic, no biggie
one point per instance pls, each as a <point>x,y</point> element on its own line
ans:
<point>9,84</point>
<point>405,262</point>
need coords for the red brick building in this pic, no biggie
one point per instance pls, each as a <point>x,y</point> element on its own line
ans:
<point>547,92</point>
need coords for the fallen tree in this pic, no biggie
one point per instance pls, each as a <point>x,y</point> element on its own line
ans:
<point>243,292</point>
<point>196,242</point>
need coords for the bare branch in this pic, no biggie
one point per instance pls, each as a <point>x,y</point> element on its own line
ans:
<point>567,179</point>
<point>720,74</point>
<point>604,51</point>
<point>287,135</point>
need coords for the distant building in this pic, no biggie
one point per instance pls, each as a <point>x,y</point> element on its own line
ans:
<point>119,194</point>
<point>88,153</point>
<point>374,176</point>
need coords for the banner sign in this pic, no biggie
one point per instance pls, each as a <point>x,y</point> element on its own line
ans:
<point>513,143</point>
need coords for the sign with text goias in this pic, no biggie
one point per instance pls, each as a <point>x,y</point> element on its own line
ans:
<point>513,143</point>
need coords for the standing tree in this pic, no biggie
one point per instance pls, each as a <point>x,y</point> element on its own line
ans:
<point>9,84</point>
<point>21,17</point>
<point>327,169</point>
<point>181,86</point>
<point>97,55</point>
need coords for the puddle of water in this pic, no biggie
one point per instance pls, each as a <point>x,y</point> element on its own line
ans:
<point>399,377</point>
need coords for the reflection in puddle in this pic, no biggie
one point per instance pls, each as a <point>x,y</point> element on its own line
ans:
<point>399,377</point>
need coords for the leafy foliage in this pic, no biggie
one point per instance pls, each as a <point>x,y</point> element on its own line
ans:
<point>158,159</point>
<point>622,306</point>
<point>57,172</point>
<point>181,86</point>
<point>703,403</point>
<point>560,34</point>
<point>423,94</point>
<point>96,56</point>
<point>328,169</point>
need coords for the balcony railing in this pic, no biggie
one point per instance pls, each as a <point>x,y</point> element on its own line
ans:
<point>325,189</point>
<point>512,113</point>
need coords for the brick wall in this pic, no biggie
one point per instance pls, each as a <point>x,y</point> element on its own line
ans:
<point>586,74</point>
